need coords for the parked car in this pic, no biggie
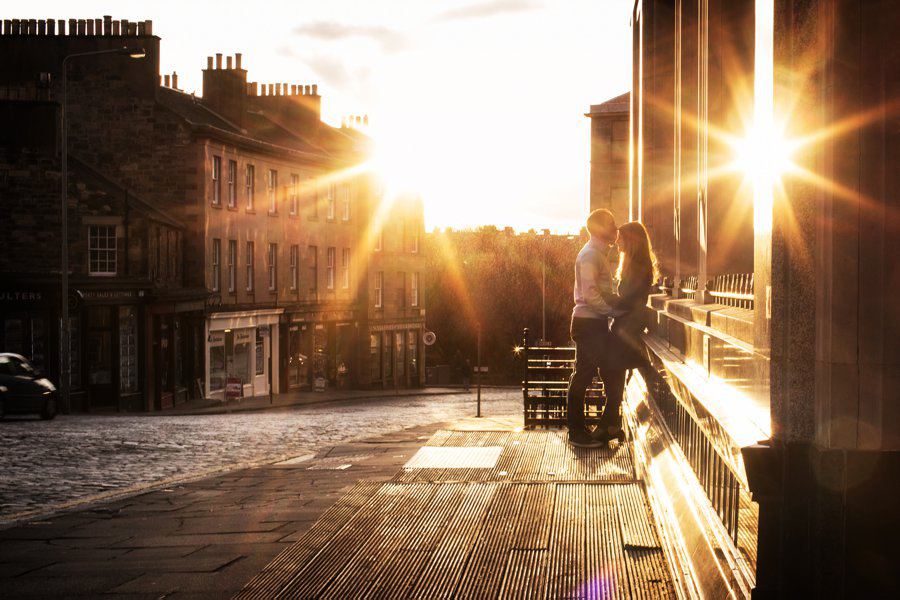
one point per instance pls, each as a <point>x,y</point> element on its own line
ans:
<point>23,390</point>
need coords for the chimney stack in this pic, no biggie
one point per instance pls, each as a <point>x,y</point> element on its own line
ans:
<point>209,63</point>
<point>237,60</point>
<point>315,90</point>
<point>366,120</point>
<point>166,81</point>
<point>107,25</point>
<point>218,60</point>
<point>174,80</point>
<point>228,62</point>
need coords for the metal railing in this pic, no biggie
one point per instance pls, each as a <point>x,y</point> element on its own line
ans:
<point>733,290</point>
<point>545,381</point>
<point>719,481</point>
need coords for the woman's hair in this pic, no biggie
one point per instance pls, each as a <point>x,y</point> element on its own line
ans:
<point>637,256</point>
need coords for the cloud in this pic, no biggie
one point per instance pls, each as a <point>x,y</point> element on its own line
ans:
<point>486,9</point>
<point>332,71</point>
<point>390,40</point>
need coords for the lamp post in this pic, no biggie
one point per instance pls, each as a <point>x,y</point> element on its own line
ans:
<point>64,365</point>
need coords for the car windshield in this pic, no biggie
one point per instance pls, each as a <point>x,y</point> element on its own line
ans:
<point>11,365</point>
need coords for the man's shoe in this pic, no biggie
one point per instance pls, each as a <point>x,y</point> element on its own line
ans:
<point>584,441</point>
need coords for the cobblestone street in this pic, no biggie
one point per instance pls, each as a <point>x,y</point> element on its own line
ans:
<point>48,464</point>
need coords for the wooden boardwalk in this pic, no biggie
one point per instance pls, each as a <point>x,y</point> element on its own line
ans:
<point>483,515</point>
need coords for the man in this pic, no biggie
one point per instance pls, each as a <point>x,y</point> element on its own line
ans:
<point>590,326</point>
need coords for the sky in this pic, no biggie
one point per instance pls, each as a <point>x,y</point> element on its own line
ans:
<point>476,105</point>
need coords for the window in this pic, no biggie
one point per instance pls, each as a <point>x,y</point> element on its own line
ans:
<point>329,214</point>
<point>273,266</point>
<point>345,268</point>
<point>379,240</point>
<point>295,259</point>
<point>216,258</point>
<point>401,289</point>
<point>272,189</point>
<point>295,195</point>
<point>102,250</point>
<point>329,269</point>
<point>232,265</point>
<point>402,226</point>
<point>414,289</point>
<point>379,289</point>
<point>249,266</point>
<point>314,193</point>
<point>313,252</point>
<point>232,183</point>
<point>415,239</point>
<point>345,202</point>
<point>250,183</point>
<point>217,180</point>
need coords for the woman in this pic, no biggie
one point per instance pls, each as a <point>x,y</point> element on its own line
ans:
<point>636,273</point>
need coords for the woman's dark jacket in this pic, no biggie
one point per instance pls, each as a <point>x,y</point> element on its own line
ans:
<point>627,350</point>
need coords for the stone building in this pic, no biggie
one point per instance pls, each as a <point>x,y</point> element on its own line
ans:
<point>609,156</point>
<point>275,205</point>
<point>764,154</point>
<point>128,306</point>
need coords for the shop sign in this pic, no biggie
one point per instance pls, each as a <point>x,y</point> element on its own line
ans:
<point>112,294</point>
<point>234,388</point>
<point>319,384</point>
<point>20,296</point>
<point>242,336</point>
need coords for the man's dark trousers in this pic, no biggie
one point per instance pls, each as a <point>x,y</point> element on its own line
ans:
<point>592,341</point>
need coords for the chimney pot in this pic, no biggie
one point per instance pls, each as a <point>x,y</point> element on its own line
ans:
<point>62,26</point>
<point>140,28</point>
<point>358,120</point>
<point>209,63</point>
<point>228,62</point>
<point>107,25</point>
<point>167,81</point>
<point>51,26</point>
<point>132,29</point>
<point>218,60</point>
<point>174,80</point>
<point>253,89</point>
<point>293,90</point>
<point>115,28</point>
<point>343,122</point>
<point>124,28</point>
<point>80,26</point>
<point>271,89</point>
<point>98,26</point>
<point>237,60</point>
<point>315,91</point>
<point>306,90</point>
<point>42,27</point>
<point>89,30</point>
<point>277,89</point>
<point>148,27</point>
<point>366,120</point>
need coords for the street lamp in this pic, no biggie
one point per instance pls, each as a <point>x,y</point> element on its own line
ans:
<point>64,366</point>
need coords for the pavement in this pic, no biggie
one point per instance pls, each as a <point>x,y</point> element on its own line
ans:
<point>197,539</point>
<point>206,406</point>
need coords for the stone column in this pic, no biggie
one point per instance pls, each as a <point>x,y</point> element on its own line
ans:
<point>828,481</point>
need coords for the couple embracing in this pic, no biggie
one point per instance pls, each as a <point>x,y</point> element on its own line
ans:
<point>607,320</point>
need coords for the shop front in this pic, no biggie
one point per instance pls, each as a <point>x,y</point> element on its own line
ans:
<point>242,350</point>
<point>320,350</point>
<point>394,356</point>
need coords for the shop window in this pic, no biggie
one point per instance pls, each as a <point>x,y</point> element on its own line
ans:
<point>375,356</point>
<point>240,367</point>
<point>386,355</point>
<point>216,362</point>
<point>399,354</point>
<point>128,349</point>
<point>260,352</point>
<point>413,346</point>
<point>102,249</point>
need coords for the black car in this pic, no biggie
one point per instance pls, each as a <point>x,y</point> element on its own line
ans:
<point>23,390</point>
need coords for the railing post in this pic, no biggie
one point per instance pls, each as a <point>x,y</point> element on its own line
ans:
<point>525,368</point>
